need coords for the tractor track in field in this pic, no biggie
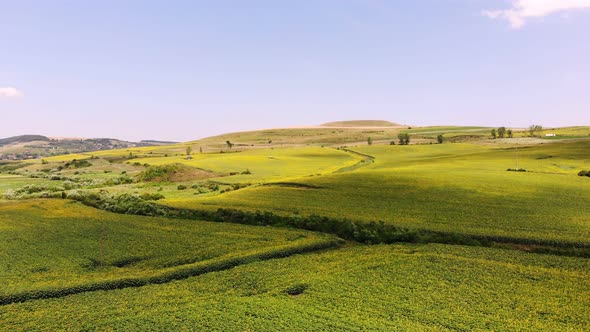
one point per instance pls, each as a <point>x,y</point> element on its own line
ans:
<point>179,273</point>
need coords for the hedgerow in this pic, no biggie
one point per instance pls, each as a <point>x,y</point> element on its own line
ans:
<point>364,232</point>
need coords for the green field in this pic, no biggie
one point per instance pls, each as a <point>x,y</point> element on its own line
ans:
<point>64,260</point>
<point>398,287</point>
<point>461,188</point>
<point>56,244</point>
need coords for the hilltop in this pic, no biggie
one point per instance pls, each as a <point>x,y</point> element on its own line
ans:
<point>361,123</point>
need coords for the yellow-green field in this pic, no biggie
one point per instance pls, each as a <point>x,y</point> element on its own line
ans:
<point>64,260</point>
<point>53,245</point>
<point>382,288</point>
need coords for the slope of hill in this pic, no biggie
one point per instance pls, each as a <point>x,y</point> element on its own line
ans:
<point>22,139</point>
<point>361,123</point>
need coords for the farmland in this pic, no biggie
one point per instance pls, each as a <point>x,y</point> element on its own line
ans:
<point>160,262</point>
<point>405,287</point>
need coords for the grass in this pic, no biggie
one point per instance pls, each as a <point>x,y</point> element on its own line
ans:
<point>266,164</point>
<point>398,287</point>
<point>459,188</point>
<point>53,245</point>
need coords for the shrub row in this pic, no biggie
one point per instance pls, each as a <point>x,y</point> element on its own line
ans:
<point>359,231</point>
<point>179,273</point>
<point>584,173</point>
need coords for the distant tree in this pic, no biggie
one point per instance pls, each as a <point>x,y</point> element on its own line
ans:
<point>404,138</point>
<point>189,150</point>
<point>392,143</point>
<point>44,162</point>
<point>200,149</point>
<point>269,141</point>
<point>229,144</point>
<point>501,132</point>
<point>533,129</point>
<point>509,132</point>
<point>370,141</point>
<point>494,134</point>
<point>440,138</point>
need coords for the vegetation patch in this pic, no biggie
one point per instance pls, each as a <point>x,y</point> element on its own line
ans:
<point>173,173</point>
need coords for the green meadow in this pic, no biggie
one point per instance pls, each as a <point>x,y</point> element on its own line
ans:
<point>303,229</point>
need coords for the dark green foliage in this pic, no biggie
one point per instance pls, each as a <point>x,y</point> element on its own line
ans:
<point>157,173</point>
<point>494,134</point>
<point>370,141</point>
<point>246,172</point>
<point>181,187</point>
<point>516,170</point>
<point>297,289</point>
<point>584,173</point>
<point>440,139</point>
<point>404,138</point>
<point>77,164</point>
<point>501,132</point>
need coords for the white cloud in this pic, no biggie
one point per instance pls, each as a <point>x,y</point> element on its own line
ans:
<point>10,92</point>
<point>524,9</point>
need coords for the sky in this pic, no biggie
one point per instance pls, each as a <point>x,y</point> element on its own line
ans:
<point>182,70</point>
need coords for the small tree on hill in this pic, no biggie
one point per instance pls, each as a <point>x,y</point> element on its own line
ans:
<point>533,129</point>
<point>370,141</point>
<point>509,132</point>
<point>404,138</point>
<point>494,134</point>
<point>440,138</point>
<point>229,144</point>
<point>189,150</point>
<point>501,132</point>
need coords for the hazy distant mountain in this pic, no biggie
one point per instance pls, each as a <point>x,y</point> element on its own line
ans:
<point>36,146</point>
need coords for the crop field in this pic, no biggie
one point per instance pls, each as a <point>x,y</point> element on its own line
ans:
<point>302,240</point>
<point>462,188</point>
<point>387,287</point>
<point>56,244</point>
<point>266,164</point>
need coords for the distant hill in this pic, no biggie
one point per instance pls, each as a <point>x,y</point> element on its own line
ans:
<point>361,123</point>
<point>37,146</point>
<point>23,139</point>
<point>154,142</point>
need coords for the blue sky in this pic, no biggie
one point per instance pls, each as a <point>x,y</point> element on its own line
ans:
<point>181,70</point>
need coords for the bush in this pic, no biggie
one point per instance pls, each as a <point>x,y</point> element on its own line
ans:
<point>77,164</point>
<point>157,173</point>
<point>181,187</point>
<point>584,173</point>
<point>516,170</point>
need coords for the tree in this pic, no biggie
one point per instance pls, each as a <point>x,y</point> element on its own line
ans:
<point>510,133</point>
<point>189,150</point>
<point>200,149</point>
<point>535,129</point>
<point>229,144</point>
<point>404,138</point>
<point>440,138</point>
<point>501,132</point>
<point>494,134</point>
<point>370,141</point>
